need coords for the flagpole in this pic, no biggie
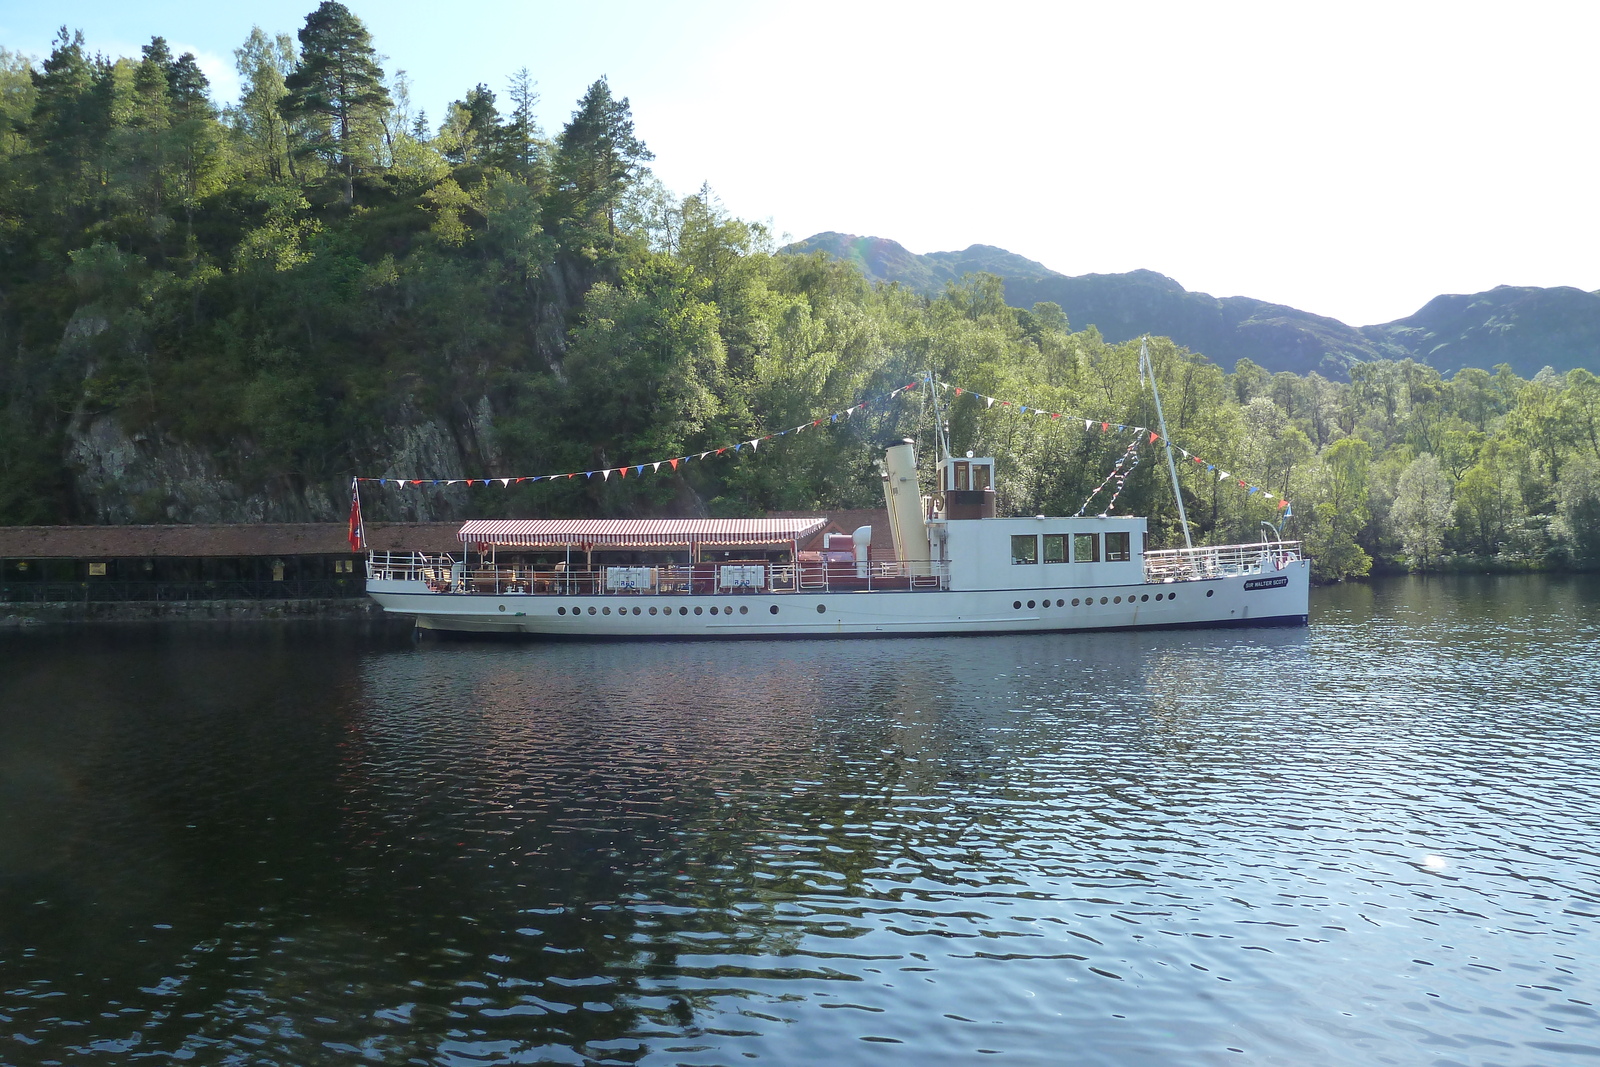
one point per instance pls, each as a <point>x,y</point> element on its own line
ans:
<point>1146,367</point>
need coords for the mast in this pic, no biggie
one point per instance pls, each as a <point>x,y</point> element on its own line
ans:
<point>1147,369</point>
<point>941,432</point>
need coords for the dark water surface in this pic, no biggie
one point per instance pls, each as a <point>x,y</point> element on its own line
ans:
<point>1376,841</point>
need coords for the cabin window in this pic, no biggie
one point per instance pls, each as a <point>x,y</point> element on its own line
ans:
<point>963,476</point>
<point>980,476</point>
<point>1025,549</point>
<point>1117,548</point>
<point>1055,548</point>
<point>1086,548</point>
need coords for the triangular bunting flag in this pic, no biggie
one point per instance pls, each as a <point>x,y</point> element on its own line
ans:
<point>674,463</point>
<point>1152,437</point>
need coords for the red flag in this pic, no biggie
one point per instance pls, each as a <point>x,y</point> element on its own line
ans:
<point>1152,437</point>
<point>357,542</point>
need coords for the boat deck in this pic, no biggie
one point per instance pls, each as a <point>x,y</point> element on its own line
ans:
<point>446,574</point>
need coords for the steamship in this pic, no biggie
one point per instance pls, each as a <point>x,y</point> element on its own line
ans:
<point>956,568</point>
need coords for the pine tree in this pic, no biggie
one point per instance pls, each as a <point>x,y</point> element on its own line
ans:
<point>598,155</point>
<point>338,91</point>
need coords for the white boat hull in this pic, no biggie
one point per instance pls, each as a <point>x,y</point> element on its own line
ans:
<point>1273,597</point>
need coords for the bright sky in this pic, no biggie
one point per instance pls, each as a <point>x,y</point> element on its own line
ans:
<point>1351,159</point>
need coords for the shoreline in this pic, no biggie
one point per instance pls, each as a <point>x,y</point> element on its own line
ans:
<point>18,616</point>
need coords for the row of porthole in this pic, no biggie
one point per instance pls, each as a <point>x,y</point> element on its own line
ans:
<point>744,609</point>
<point>1089,601</point>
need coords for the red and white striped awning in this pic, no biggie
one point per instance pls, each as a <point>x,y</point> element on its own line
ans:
<point>637,533</point>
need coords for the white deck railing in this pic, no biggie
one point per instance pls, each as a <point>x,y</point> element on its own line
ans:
<point>445,574</point>
<point>1219,561</point>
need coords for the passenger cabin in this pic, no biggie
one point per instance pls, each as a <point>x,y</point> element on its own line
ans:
<point>983,552</point>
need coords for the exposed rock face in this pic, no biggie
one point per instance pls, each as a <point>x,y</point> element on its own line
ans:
<point>1529,328</point>
<point>141,477</point>
<point>123,480</point>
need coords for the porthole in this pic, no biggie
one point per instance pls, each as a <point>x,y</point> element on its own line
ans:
<point>727,609</point>
<point>1102,600</point>
<point>773,609</point>
<point>605,611</point>
<point>1060,603</point>
<point>744,609</point>
<point>636,611</point>
<point>561,611</point>
<point>1211,592</point>
<point>1030,603</point>
<point>1158,596</point>
<point>591,610</point>
<point>1144,598</point>
<point>652,611</point>
<point>1116,600</point>
<point>502,607</point>
<point>821,608</point>
<point>683,611</point>
<point>1017,604</point>
<point>713,609</point>
<point>1172,596</point>
<point>1074,601</point>
<point>698,609</point>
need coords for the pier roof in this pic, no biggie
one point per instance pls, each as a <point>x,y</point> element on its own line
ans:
<point>217,539</point>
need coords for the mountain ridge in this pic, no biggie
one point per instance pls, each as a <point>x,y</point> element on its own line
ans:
<point>1527,327</point>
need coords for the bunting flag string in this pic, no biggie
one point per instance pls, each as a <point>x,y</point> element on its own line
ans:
<point>1119,473</point>
<point>637,469</point>
<point>1106,426</point>
<point>1124,465</point>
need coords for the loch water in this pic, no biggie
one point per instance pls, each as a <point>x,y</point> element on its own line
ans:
<point>1375,840</point>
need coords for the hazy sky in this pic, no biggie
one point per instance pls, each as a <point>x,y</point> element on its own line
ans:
<point>1350,159</point>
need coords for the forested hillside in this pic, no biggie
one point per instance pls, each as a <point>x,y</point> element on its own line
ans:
<point>223,315</point>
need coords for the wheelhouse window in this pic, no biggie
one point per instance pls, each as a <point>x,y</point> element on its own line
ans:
<point>963,476</point>
<point>1024,549</point>
<point>1117,550</point>
<point>1055,548</point>
<point>980,476</point>
<point>1086,548</point>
